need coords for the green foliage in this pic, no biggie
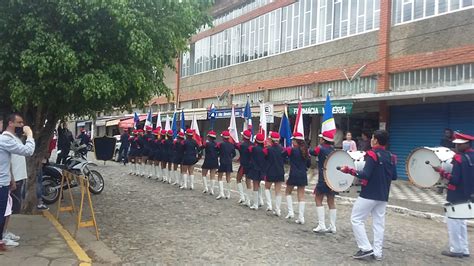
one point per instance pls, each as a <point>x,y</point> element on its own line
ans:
<point>77,57</point>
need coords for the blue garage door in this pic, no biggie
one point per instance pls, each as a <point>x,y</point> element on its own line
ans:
<point>423,125</point>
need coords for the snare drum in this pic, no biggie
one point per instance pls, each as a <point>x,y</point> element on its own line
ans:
<point>420,162</point>
<point>459,211</point>
<point>335,179</point>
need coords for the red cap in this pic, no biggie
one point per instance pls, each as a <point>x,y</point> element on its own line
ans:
<point>163,132</point>
<point>260,138</point>
<point>247,134</point>
<point>140,131</point>
<point>156,132</point>
<point>211,133</point>
<point>275,136</point>
<point>170,132</point>
<point>298,135</point>
<point>225,134</point>
<point>148,128</point>
<point>327,135</point>
<point>189,132</point>
<point>181,135</point>
<point>135,131</point>
<point>460,138</point>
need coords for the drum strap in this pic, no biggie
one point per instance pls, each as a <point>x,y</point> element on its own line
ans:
<point>380,156</point>
<point>468,159</point>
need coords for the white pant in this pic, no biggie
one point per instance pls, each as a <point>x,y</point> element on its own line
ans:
<point>457,232</point>
<point>361,210</point>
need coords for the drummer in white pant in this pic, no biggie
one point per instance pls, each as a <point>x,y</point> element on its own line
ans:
<point>460,190</point>
<point>375,179</point>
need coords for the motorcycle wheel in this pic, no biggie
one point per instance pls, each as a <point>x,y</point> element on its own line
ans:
<point>96,182</point>
<point>50,192</point>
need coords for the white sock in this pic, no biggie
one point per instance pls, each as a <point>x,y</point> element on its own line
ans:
<point>289,201</point>
<point>268,197</point>
<point>204,182</point>
<point>240,187</point>
<point>332,217</point>
<point>191,182</point>
<point>213,185</point>
<point>185,181</point>
<point>221,188</point>
<point>277,202</point>
<point>301,210</point>
<point>256,197</point>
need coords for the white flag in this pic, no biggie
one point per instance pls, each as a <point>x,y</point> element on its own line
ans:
<point>195,127</point>
<point>263,121</point>
<point>233,127</point>
<point>167,123</point>
<point>299,125</point>
<point>158,121</point>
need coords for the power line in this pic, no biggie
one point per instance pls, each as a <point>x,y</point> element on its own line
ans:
<point>344,52</point>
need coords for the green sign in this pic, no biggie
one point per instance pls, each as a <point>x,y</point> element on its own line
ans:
<point>317,108</point>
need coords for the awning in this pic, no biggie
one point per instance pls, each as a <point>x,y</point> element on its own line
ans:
<point>315,108</point>
<point>114,122</point>
<point>128,123</point>
<point>82,123</point>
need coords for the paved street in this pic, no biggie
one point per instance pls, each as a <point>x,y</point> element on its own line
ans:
<point>145,221</point>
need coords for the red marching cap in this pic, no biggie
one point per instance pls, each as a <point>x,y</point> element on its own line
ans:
<point>148,128</point>
<point>327,136</point>
<point>140,131</point>
<point>275,136</point>
<point>135,131</point>
<point>298,135</point>
<point>225,134</point>
<point>181,135</point>
<point>212,134</point>
<point>170,132</point>
<point>163,132</point>
<point>156,132</point>
<point>260,138</point>
<point>189,132</point>
<point>247,134</point>
<point>460,138</point>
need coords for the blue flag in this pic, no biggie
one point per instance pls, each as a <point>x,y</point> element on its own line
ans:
<point>174,126</point>
<point>285,131</point>
<point>212,115</point>
<point>136,120</point>
<point>182,121</point>
<point>248,117</point>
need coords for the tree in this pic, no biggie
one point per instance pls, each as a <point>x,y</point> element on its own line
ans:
<point>60,58</point>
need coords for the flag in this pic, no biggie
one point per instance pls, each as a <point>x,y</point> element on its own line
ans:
<point>195,127</point>
<point>285,131</point>
<point>183,126</point>
<point>328,120</point>
<point>263,121</point>
<point>248,117</point>
<point>174,125</point>
<point>233,128</point>
<point>212,115</point>
<point>136,121</point>
<point>158,121</point>
<point>299,126</point>
<point>148,122</point>
<point>167,123</point>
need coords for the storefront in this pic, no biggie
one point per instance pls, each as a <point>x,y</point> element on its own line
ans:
<point>419,125</point>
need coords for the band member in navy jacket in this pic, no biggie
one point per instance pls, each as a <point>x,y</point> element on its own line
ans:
<point>134,151</point>
<point>460,190</point>
<point>190,158</point>
<point>322,151</point>
<point>139,156</point>
<point>167,156</point>
<point>211,162</point>
<point>375,179</point>
<point>258,167</point>
<point>148,139</point>
<point>244,168</point>
<point>275,172</point>
<point>178,153</point>
<point>226,154</point>
<point>300,161</point>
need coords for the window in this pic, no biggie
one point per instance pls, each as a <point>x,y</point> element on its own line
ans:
<point>410,10</point>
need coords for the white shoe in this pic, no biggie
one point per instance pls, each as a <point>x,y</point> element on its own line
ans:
<point>11,236</point>
<point>247,203</point>
<point>320,229</point>
<point>211,192</point>
<point>220,196</point>
<point>290,216</point>
<point>332,229</point>
<point>10,243</point>
<point>277,213</point>
<point>300,221</point>
<point>254,207</point>
<point>205,191</point>
<point>241,201</point>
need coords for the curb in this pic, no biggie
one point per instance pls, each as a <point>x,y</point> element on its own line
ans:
<point>84,259</point>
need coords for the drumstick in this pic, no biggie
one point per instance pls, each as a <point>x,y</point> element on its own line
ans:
<point>434,167</point>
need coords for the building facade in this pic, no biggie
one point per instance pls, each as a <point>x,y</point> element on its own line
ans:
<point>403,65</point>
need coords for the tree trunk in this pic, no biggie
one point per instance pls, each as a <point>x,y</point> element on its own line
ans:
<point>43,126</point>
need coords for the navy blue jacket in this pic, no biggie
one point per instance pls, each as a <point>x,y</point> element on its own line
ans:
<point>148,141</point>
<point>84,138</point>
<point>244,151</point>
<point>298,165</point>
<point>226,152</point>
<point>191,149</point>
<point>377,175</point>
<point>167,150</point>
<point>258,162</point>
<point>322,152</point>
<point>275,161</point>
<point>134,143</point>
<point>461,181</point>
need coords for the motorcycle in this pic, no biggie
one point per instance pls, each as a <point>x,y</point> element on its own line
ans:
<point>76,164</point>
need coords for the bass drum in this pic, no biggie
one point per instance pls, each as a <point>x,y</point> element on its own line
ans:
<point>420,163</point>
<point>358,157</point>
<point>335,179</point>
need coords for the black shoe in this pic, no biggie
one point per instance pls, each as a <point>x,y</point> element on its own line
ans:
<point>363,254</point>
<point>452,254</point>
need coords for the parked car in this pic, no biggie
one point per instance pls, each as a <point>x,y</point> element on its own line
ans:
<point>117,148</point>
